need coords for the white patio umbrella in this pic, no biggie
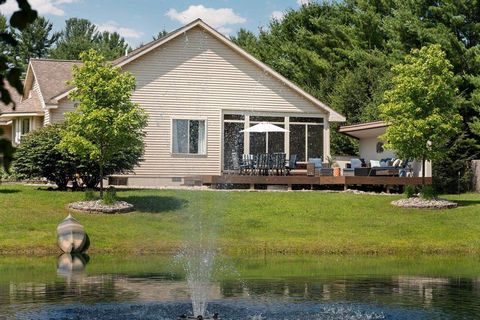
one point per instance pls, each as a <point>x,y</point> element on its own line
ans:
<point>265,127</point>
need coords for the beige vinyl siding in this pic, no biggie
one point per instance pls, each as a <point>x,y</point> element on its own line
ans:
<point>58,115</point>
<point>195,75</point>
<point>37,122</point>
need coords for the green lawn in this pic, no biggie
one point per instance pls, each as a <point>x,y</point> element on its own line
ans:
<point>243,222</point>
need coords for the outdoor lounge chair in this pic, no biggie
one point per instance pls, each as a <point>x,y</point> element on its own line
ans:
<point>354,163</point>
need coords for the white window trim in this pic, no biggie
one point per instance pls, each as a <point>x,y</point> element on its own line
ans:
<point>17,128</point>
<point>177,154</point>
<point>246,145</point>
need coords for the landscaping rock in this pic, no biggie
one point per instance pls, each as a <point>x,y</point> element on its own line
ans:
<point>420,203</point>
<point>97,206</point>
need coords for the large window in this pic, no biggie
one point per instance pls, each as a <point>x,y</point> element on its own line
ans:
<point>306,137</point>
<point>267,142</point>
<point>315,141</point>
<point>188,137</point>
<point>297,141</point>
<point>25,127</point>
<point>21,127</point>
<point>233,142</point>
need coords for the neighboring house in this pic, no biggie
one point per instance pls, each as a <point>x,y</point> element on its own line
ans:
<point>44,79</point>
<point>199,90</point>
<point>371,147</point>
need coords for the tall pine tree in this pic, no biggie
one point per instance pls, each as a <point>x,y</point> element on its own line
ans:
<point>81,35</point>
<point>34,41</point>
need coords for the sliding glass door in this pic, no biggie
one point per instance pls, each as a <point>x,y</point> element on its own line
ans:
<point>305,137</point>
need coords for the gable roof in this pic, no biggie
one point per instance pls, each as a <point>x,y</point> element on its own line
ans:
<point>31,105</point>
<point>135,54</point>
<point>52,76</point>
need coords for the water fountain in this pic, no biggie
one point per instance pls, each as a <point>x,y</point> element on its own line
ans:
<point>198,260</point>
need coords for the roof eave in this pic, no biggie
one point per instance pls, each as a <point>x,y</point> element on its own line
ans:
<point>362,126</point>
<point>21,114</point>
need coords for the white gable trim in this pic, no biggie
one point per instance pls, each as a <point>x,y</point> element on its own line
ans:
<point>30,67</point>
<point>333,115</point>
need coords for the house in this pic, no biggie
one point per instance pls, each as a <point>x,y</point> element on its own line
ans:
<point>371,146</point>
<point>200,91</point>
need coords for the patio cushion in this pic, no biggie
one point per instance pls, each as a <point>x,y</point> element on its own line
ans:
<point>317,162</point>
<point>374,163</point>
<point>397,163</point>
<point>355,163</point>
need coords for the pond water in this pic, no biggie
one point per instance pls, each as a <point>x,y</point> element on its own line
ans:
<point>264,287</point>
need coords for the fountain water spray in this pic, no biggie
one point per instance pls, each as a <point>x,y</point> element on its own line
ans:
<point>198,257</point>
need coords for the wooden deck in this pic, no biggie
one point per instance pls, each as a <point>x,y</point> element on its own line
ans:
<point>307,180</point>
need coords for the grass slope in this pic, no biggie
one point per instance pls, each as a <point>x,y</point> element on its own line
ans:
<point>243,222</point>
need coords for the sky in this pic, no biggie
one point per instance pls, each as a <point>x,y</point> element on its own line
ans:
<point>138,20</point>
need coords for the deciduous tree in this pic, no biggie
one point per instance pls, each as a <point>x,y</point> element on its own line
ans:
<point>106,123</point>
<point>420,107</point>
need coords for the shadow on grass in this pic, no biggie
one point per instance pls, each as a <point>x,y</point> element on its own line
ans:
<point>7,191</point>
<point>155,204</point>
<point>467,203</point>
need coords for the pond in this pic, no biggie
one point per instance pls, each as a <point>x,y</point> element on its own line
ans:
<point>258,287</point>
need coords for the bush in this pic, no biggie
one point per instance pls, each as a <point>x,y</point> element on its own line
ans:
<point>409,191</point>
<point>110,196</point>
<point>38,157</point>
<point>428,192</point>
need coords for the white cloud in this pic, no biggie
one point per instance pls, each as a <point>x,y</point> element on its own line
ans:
<point>303,2</point>
<point>278,15</point>
<point>44,7</point>
<point>217,18</point>
<point>112,26</point>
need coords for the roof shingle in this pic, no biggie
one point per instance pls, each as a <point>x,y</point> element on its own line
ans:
<point>30,105</point>
<point>52,76</point>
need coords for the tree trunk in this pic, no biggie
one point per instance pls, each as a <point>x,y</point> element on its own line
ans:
<point>101,180</point>
<point>423,171</point>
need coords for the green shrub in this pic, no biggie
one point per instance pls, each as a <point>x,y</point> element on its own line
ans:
<point>428,192</point>
<point>110,196</point>
<point>38,157</point>
<point>90,195</point>
<point>409,191</point>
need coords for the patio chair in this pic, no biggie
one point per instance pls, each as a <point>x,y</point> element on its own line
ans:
<point>237,166</point>
<point>263,164</point>
<point>248,163</point>
<point>292,163</point>
<point>278,163</point>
